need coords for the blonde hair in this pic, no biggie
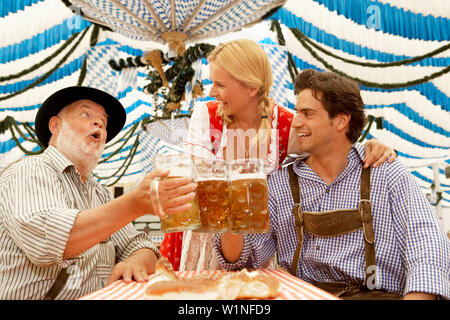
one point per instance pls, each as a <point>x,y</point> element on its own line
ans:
<point>246,61</point>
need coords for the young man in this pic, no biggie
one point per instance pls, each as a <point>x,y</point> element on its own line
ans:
<point>61,233</point>
<point>357,233</point>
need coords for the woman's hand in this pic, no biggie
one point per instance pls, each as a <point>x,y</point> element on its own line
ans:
<point>377,153</point>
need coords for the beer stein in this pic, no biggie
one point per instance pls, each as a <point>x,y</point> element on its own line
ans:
<point>249,196</point>
<point>213,194</point>
<point>179,165</point>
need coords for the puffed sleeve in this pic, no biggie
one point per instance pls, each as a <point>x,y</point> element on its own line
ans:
<point>198,140</point>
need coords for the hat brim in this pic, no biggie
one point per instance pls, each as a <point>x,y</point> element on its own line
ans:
<point>62,98</point>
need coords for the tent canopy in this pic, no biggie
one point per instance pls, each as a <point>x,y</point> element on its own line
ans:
<point>159,21</point>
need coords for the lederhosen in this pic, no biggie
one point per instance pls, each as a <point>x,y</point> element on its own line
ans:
<point>336,223</point>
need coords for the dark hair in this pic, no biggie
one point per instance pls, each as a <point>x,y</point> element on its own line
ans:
<point>338,95</point>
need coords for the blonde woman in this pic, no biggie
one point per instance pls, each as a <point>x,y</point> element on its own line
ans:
<point>242,122</point>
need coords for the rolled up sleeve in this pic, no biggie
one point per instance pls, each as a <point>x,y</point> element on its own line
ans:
<point>430,279</point>
<point>258,249</point>
<point>425,247</point>
<point>244,259</point>
<point>198,139</point>
<point>127,240</point>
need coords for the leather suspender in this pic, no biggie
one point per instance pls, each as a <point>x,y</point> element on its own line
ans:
<point>298,215</point>
<point>365,210</point>
<point>336,222</point>
<point>59,283</point>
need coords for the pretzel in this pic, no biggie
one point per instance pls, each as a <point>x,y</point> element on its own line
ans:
<point>244,284</point>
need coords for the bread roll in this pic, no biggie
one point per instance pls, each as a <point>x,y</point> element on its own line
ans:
<point>166,285</point>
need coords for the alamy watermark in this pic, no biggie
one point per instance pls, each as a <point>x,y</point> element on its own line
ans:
<point>75,21</point>
<point>74,280</point>
<point>373,281</point>
<point>374,17</point>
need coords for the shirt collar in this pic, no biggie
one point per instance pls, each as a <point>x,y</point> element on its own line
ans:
<point>358,152</point>
<point>61,162</point>
<point>355,157</point>
<point>58,158</point>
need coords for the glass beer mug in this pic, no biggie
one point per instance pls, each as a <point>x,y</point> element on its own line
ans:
<point>179,165</point>
<point>249,196</point>
<point>213,195</point>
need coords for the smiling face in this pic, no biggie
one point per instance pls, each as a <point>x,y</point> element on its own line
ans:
<point>234,96</point>
<point>79,132</point>
<point>313,128</point>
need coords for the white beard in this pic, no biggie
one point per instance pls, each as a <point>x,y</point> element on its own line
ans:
<point>76,149</point>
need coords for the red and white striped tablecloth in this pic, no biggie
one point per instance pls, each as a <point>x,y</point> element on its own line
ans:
<point>292,288</point>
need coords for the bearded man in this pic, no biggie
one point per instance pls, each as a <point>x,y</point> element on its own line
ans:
<point>62,235</point>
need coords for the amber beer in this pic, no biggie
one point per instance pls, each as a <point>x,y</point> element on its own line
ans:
<point>213,201</point>
<point>179,165</point>
<point>249,198</point>
<point>213,195</point>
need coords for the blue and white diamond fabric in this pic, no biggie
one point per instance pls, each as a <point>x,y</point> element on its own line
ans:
<point>147,20</point>
<point>282,90</point>
<point>99,74</point>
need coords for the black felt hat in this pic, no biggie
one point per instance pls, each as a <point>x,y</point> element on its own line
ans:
<point>62,98</point>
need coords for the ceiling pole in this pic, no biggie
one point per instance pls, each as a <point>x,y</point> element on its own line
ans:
<point>135,16</point>
<point>437,188</point>
<point>215,16</point>
<point>87,6</point>
<point>155,15</point>
<point>174,22</point>
<point>188,22</point>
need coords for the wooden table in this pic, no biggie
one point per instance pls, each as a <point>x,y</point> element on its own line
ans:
<point>292,288</point>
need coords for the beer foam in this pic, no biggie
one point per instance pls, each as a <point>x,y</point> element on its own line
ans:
<point>241,176</point>
<point>180,172</point>
<point>212,178</point>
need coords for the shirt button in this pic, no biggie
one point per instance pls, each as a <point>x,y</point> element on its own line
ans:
<point>317,248</point>
<point>327,190</point>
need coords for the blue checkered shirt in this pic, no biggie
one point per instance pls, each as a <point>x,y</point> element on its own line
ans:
<point>411,248</point>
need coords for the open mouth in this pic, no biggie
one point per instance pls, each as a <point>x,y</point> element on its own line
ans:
<point>303,134</point>
<point>96,136</point>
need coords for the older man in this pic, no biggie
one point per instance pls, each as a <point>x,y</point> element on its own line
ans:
<point>357,233</point>
<point>61,233</point>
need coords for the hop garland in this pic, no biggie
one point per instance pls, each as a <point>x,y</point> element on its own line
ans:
<point>300,37</point>
<point>178,74</point>
<point>126,63</point>
<point>25,132</point>
<point>47,74</point>
<point>308,44</point>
